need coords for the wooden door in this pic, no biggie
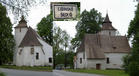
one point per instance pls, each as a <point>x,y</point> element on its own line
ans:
<point>98,66</point>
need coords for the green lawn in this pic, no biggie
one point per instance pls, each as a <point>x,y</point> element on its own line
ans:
<point>2,74</point>
<point>102,72</point>
<point>36,68</point>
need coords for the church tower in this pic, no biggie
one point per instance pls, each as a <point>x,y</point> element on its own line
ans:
<point>107,28</point>
<point>20,31</point>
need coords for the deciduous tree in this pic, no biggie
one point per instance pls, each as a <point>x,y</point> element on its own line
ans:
<point>90,23</point>
<point>21,7</point>
<point>45,29</point>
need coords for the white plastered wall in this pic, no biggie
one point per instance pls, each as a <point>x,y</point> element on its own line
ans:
<point>19,35</point>
<point>115,60</point>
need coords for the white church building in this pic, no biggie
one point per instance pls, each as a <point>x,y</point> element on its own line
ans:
<point>31,49</point>
<point>103,50</point>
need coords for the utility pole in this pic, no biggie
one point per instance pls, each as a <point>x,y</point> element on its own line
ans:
<point>65,57</point>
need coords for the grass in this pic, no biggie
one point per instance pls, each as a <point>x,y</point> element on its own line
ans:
<point>35,68</point>
<point>101,72</point>
<point>2,74</point>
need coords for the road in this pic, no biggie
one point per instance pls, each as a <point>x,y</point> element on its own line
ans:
<point>11,72</point>
<point>64,73</point>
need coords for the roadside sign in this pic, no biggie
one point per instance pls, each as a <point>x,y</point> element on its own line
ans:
<point>64,11</point>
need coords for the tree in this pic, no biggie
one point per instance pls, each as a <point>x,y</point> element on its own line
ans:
<point>57,41</point>
<point>66,40</point>
<point>6,37</point>
<point>90,23</point>
<point>45,29</point>
<point>70,57</point>
<point>20,7</point>
<point>61,49</point>
<point>133,33</point>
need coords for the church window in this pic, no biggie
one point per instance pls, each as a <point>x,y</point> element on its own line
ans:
<point>80,60</point>
<point>32,50</point>
<point>20,51</point>
<point>37,56</point>
<point>50,60</point>
<point>110,33</point>
<point>108,60</point>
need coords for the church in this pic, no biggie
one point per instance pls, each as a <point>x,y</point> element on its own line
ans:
<point>103,50</point>
<point>31,49</point>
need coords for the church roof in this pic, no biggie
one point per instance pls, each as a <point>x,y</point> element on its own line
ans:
<point>22,23</point>
<point>96,45</point>
<point>30,39</point>
<point>107,24</point>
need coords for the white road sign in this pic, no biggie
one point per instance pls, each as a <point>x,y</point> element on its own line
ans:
<point>64,11</point>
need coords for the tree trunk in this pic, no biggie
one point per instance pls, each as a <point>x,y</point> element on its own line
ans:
<point>0,62</point>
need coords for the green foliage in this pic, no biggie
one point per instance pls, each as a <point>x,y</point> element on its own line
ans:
<point>133,33</point>
<point>21,7</point>
<point>90,23</point>
<point>2,74</point>
<point>126,63</point>
<point>101,72</point>
<point>6,37</point>
<point>45,29</point>
<point>60,58</point>
<point>70,56</point>
<point>57,41</point>
<point>60,45</point>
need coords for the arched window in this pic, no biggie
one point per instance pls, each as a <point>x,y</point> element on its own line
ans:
<point>20,51</point>
<point>37,56</point>
<point>80,60</point>
<point>32,50</point>
<point>108,60</point>
<point>50,60</point>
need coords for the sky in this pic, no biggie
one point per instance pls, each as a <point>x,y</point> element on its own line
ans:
<point>120,12</point>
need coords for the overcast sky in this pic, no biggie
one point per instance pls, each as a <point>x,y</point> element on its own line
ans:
<point>120,13</point>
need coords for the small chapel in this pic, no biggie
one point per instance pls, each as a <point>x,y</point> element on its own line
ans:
<point>104,50</point>
<point>31,49</point>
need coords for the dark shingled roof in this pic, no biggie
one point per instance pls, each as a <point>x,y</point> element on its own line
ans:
<point>107,24</point>
<point>22,23</point>
<point>96,45</point>
<point>30,39</point>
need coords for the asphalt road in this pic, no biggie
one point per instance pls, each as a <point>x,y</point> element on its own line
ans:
<point>64,73</point>
<point>11,72</point>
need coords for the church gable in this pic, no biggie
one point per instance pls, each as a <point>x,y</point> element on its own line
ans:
<point>30,39</point>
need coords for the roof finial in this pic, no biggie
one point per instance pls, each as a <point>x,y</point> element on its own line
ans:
<point>22,17</point>
<point>107,11</point>
<point>107,18</point>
